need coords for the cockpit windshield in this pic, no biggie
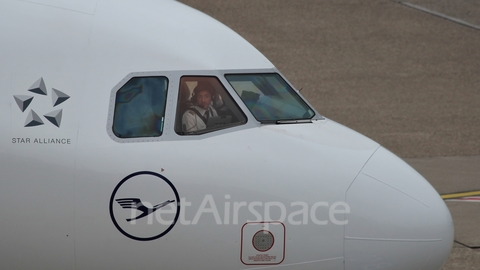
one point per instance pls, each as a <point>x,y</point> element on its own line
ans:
<point>270,98</point>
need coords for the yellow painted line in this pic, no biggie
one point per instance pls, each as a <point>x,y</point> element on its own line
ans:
<point>460,194</point>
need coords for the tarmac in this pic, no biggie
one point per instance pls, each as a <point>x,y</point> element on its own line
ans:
<point>404,73</point>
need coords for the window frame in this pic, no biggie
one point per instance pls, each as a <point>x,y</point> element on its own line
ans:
<point>173,77</point>
<point>112,106</point>
<point>295,94</point>
<point>226,96</point>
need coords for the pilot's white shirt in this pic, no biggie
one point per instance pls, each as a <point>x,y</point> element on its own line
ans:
<point>192,122</point>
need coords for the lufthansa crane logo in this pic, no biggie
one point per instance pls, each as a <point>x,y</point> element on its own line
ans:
<point>144,206</point>
<point>136,203</point>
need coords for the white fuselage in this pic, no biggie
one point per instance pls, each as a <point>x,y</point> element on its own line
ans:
<point>329,197</point>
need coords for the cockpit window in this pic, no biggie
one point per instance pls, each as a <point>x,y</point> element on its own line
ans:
<point>204,106</point>
<point>270,98</point>
<point>140,107</point>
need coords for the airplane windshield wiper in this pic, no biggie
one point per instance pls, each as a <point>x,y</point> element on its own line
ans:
<point>297,121</point>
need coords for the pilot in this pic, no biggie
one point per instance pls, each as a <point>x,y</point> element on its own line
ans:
<point>196,117</point>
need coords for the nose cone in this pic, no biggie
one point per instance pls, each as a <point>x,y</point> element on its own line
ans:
<point>397,220</point>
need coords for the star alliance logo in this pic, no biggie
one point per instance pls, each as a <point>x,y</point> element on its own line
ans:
<point>33,119</point>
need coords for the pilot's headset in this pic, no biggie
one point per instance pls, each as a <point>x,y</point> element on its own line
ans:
<point>201,86</point>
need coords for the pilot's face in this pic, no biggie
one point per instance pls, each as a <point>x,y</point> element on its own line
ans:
<point>203,99</point>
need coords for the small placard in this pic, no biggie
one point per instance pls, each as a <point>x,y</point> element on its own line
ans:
<point>263,243</point>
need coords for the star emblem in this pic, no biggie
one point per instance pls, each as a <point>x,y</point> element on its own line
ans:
<point>39,88</point>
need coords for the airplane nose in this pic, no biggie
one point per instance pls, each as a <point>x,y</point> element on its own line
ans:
<point>396,220</point>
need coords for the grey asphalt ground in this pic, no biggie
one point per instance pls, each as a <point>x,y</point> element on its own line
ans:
<point>403,77</point>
